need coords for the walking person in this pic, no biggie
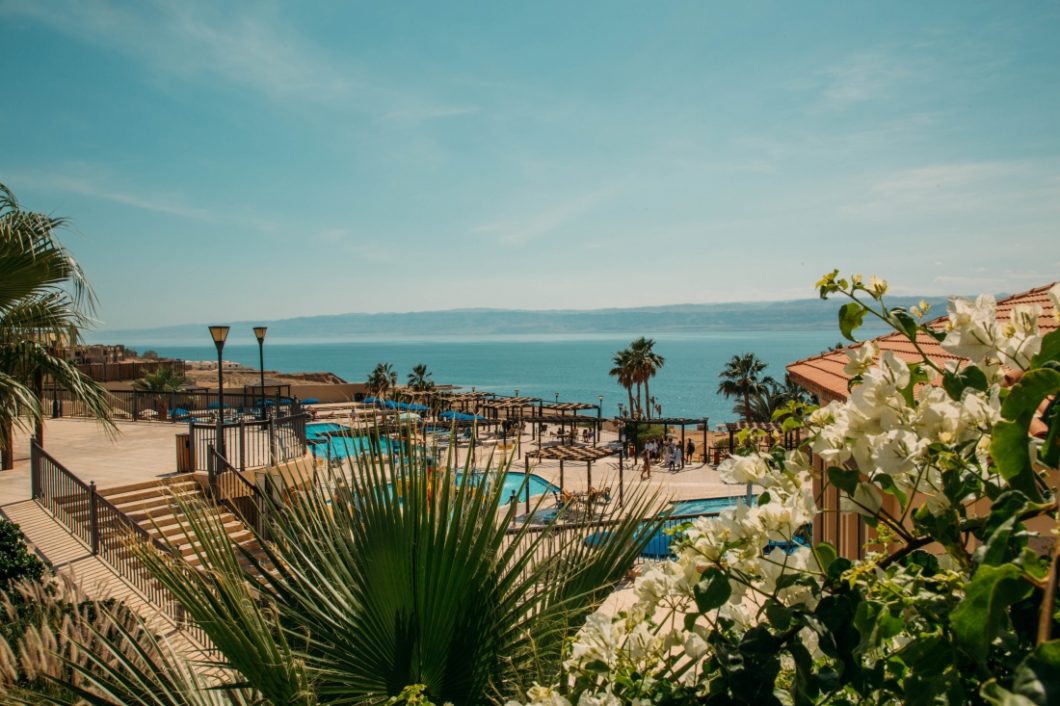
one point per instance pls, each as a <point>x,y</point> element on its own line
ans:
<point>690,449</point>
<point>678,463</point>
<point>645,470</point>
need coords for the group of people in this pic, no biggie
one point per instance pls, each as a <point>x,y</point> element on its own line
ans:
<point>667,451</point>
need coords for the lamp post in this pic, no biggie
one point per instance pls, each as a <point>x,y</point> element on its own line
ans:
<point>259,333</point>
<point>219,334</point>
<point>599,418</point>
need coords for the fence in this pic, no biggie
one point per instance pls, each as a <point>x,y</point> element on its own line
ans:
<point>185,406</point>
<point>243,498</point>
<point>109,533</point>
<point>249,444</point>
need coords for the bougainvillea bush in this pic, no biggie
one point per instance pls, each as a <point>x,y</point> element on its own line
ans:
<point>954,601</point>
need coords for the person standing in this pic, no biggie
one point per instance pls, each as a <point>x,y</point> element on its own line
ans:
<point>690,449</point>
<point>645,470</point>
<point>678,462</point>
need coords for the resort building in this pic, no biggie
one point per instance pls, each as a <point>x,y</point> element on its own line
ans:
<point>823,376</point>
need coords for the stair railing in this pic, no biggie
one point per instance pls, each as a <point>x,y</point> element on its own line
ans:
<point>230,488</point>
<point>110,533</point>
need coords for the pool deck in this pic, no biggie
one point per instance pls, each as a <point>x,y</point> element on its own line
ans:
<point>140,451</point>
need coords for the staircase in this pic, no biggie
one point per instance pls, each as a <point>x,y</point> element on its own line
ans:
<point>154,506</point>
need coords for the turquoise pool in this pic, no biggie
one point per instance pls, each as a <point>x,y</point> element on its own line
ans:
<point>321,445</point>
<point>513,482</point>
<point>704,506</point>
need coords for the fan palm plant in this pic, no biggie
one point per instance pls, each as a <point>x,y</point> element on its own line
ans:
<point>162,379</point>
<point>742,378</point>
<point>385,575</point>
<point>45,300</point>
<point>420,378</point>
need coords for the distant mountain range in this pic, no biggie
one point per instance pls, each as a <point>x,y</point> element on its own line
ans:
<point>800,314</point>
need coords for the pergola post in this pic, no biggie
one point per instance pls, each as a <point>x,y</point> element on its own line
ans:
<point>589,473</point>
<point>526,478</point>
<point>683,459</point>
<point>562,485</point>
<point>705,449</point>
<point>621,473</point>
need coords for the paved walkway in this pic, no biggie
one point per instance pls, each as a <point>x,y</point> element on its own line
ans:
<point>138,451</point>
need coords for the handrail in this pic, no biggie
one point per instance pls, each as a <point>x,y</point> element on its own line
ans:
<point>106,529</point>
<point>220,470</point>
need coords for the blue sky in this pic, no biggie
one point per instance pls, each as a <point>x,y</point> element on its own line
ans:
<point>266,160</point>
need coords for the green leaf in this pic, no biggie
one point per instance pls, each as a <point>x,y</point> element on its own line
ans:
<point>779,615</point>
<point>955,383</point>
<point>1008,447</point>
<point>850,318</point>
<point>983,613</point>
<point>904,322</point>
<point>888,486</point>
<point>712,591</point>
<point>1050,349</point>
<point>826,554</point>
<point>846,479</point>
<point>1038,675</point>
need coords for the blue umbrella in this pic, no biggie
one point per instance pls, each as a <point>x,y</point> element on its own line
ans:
<point>310,400</point>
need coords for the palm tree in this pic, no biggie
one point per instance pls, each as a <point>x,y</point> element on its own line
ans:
<point>420,378</point>
<point>368,592</point>
<point>646,363</point>
<point>162,379</point>
<point>382,379</point>
<point>45,300</point>
<point>741,378</point>
<point>623,370</point>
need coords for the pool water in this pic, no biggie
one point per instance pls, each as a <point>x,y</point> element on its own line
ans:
<point>513,484</point>
<point>705,506</point>
<point>321,445</point>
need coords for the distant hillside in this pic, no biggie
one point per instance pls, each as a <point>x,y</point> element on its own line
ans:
<point>798,314</point>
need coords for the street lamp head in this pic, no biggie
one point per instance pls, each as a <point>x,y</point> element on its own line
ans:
<point>259,333</point>
<point>557,397</point>
<point>219,334</point>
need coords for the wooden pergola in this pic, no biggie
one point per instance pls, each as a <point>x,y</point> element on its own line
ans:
<point>578,454</point>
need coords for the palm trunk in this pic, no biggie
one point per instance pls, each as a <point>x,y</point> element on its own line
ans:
<point>7,444</point>
<point>746,406</point>
<point>629,391</point>
<point>640,408</point>
<point>647,397</point>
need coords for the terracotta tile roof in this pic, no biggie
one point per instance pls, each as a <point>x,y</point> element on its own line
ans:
<point>823,374</point>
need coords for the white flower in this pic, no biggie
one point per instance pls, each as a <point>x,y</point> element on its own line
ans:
<point>743,469</point>
<point>877,287</point>
<point>538,695</point>
<point>861,358</point>
<point>1054,297</point>
<point>695,646</point>
<point>1020,341</point>
<point>972,330</point>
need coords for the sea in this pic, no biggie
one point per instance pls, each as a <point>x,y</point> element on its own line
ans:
<point>573,366</point>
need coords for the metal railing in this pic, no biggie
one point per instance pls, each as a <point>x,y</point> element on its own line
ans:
<point>183,407</point>
<point>243,498</point>
<point>249,444</point>
<point>109,533</point>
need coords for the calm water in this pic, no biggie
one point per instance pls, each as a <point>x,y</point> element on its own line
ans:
<point>575,367</point>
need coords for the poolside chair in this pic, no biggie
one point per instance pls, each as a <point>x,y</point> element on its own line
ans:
<point>600,495</point>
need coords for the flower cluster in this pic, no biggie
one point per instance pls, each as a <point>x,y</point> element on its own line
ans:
<point>911,450</point>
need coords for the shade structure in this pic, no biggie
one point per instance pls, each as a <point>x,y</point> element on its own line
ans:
<point>581,454</point>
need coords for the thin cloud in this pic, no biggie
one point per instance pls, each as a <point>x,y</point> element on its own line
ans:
<point>95,187</point>
<point>259,52</point>
<point>521,231</point>
<point>859,78</point>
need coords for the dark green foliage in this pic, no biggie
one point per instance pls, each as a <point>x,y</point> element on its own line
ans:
<point>16,562</point>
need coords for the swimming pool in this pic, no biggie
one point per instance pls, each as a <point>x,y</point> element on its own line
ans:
<point>705,506</point>
<point>513,482</point>
<point>340,447</point>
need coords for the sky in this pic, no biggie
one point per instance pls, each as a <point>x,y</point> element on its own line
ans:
<point>258,161</point>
